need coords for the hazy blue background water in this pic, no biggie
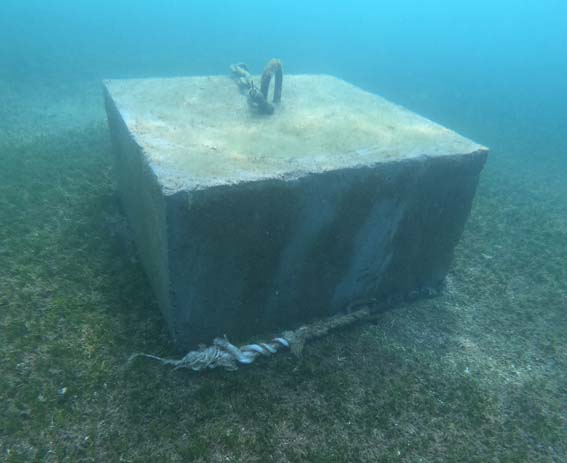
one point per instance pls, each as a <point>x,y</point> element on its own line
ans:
<point>494,70</point>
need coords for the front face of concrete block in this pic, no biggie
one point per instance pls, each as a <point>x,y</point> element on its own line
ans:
<point>268,254</point>
<point>248,224</point>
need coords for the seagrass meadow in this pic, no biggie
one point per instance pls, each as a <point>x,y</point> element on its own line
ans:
<point>477,374</point>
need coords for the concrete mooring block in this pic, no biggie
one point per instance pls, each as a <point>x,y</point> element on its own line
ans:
<point>248,223</point>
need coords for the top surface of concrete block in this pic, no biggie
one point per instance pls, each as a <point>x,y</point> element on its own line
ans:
<point>198,132</point>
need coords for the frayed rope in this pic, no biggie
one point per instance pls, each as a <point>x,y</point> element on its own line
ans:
<point>223,354</point>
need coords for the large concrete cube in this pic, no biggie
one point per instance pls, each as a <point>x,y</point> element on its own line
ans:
<point>248,223</point>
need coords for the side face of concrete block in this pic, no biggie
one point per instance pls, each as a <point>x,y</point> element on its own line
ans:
<point>144,204</point>
<point>248,224</point>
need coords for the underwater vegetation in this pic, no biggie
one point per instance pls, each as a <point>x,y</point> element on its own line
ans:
<point>477,374</point>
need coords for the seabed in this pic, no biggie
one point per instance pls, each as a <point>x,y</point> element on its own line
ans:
<point>477,374</point>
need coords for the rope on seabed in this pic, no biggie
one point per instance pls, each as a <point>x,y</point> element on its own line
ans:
<point>223,354</point>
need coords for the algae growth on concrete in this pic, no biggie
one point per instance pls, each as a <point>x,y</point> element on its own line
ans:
<point>197,131</point>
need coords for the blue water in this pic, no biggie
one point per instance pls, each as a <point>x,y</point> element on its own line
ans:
<point>492,69</point>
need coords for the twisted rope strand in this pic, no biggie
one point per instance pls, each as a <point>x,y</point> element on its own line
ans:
<point>223,354</point>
